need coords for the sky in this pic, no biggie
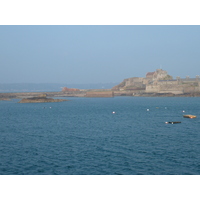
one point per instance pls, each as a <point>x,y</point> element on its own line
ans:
<point>84,54</point>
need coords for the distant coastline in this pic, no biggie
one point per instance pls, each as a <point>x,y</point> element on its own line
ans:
<point>155,84</point>
<point>84,93</point>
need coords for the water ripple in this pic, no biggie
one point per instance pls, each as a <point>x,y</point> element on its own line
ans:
<point>83,136</point>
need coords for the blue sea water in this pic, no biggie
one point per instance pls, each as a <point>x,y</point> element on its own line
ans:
<point>84,137</point>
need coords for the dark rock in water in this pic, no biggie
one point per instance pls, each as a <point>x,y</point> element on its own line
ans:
<point>40,100</point>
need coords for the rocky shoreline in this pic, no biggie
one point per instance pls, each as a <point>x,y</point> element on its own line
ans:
<point>144,94</point>
<point>5,99</point>
<point>48,96</point>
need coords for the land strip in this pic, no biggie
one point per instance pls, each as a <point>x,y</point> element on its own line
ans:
<point>92,93</point>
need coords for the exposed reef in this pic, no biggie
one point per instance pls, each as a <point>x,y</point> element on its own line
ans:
<point>40,100</point>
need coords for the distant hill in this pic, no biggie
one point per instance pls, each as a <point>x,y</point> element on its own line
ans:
<point>51,87</point>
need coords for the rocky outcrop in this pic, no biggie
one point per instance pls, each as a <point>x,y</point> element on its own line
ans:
<point>22,95</point>
<point>154,94</point>
<point>40,100</point>
<point>134,83</point>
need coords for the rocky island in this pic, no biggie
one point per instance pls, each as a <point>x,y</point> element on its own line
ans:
<point>40,99</point>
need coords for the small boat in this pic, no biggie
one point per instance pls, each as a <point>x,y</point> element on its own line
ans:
<point>190,116</point>
<point>172,122</point>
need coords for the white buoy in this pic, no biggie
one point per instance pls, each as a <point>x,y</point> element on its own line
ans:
<point>113,112</point>
<point>183,110</point>
<point>147,109</point>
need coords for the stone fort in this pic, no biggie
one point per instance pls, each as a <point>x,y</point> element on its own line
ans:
<point>160,81</point>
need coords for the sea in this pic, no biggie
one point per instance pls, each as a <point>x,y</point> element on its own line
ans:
<point>100,136</point>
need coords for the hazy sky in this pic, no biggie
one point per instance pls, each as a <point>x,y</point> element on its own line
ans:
<point>96,54</point>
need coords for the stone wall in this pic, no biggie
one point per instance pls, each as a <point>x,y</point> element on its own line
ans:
<point>188,89</point>
<point>99,94</point>
<point>168,82</point>
<point>176,89</point>
<point>165,87</point>
<point>152,88</point>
